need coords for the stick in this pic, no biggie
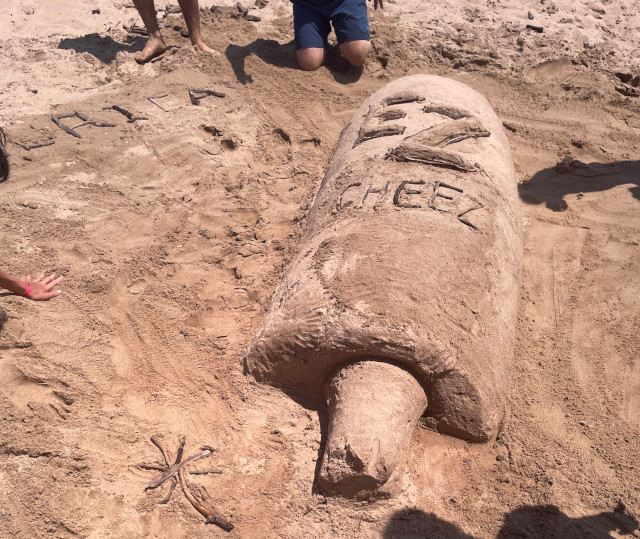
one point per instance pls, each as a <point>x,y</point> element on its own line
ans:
<point>165,454</point>
<point>465,221</point>
<point>131,117</point>
<point>209,92</point>
<point>56,120</point>
<point>38,145</point>
<point>209,515</point>
<point>153,100</point>
<point>173,469</point>
<point>81,124</point>
<point>164,500</point>
<point>85,121</point>
<point>167,459</point>
<point>180,450</point>
<point>146,466</point>
<point>453,187</point>
<point>135,29</point>
<point>433,197</point>
<point>197,95</point>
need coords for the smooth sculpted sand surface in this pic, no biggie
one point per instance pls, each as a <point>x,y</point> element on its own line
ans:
<point>174,233</point>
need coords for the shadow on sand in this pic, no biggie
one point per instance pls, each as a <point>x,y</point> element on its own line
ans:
<point>104,48</point>
<point>549,522</point>
<point>527,522</point>
<point>318,407</point>
<point>414,524</point>
<point>553,185</point>
<point>283,55</point>
<point>268,50</point>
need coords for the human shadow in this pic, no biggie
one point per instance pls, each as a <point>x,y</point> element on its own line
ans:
<point>283,55</point>
<point>552,185</point>
<point>548,521</point>
<point>414,524</point>
<point>104,48</point>
<point>527,522</point>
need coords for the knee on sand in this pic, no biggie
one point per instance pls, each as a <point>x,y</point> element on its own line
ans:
<point>355,52</point>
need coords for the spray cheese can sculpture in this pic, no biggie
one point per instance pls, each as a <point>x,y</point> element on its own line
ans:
<point>401,300</point>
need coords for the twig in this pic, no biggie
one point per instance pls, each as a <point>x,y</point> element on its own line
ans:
<point>173,469</point>
<point>180,451</point>
<point>56,120</point>
<point>134,28</point>
<point>146,466</point>
<point>85,121</point>
<point>452,187</point>
<point>167,459</point>
<point>170,472</point>
<point>467,222</point>
<point>172,487</point>
<point>113,27</point>
<point>131,117</point>
<point>165,454</point>
<point>38,145</point>
<point>209,515</point>
<point>153,100</point>
<point>197,95</point>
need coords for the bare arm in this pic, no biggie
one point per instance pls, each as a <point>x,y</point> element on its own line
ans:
<point>38,289</point>
<point>12,285</point>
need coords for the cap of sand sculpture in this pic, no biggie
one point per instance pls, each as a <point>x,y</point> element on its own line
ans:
<point>401,300</point>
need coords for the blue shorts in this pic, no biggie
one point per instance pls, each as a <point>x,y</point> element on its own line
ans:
<point>312,18</point>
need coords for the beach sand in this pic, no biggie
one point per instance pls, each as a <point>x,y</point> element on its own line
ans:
<point>173,232</point>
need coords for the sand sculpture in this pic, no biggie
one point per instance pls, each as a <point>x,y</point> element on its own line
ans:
<point>402,298</point>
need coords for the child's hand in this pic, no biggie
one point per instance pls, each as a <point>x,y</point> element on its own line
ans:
<point>377,3</point>
<point>41,287</point>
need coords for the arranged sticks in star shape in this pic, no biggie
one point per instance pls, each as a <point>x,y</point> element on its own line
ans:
<point>176,472</point>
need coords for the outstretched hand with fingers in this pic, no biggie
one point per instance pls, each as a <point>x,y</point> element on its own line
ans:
<point>42,287</point>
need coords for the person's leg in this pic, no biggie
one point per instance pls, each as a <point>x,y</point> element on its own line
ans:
<point>351,25</point>
<point>311,58</point>
<point>191,14</point>
<point>311,31</point>
<point>355,52</point>
<point>155,45</point>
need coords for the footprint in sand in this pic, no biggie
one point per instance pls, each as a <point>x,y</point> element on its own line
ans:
<point>137,287</point>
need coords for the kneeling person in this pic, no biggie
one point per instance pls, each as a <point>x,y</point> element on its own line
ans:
<point>312,20</point>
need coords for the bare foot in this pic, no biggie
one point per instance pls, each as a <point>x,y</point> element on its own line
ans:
<point>201,45</point>
<point>154,47</point>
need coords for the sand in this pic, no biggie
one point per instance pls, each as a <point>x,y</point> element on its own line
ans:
<point>173,233</point>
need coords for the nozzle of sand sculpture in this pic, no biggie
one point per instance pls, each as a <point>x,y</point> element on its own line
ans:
<point>373,410</point>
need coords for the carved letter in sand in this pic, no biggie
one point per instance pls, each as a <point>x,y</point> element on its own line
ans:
<point>402,298</point>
